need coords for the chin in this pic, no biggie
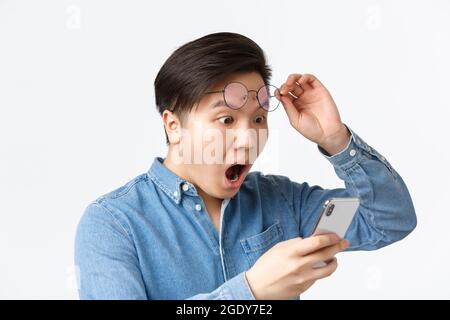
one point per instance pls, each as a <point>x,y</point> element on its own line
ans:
<point>222,194</point>
<point>229,194</point>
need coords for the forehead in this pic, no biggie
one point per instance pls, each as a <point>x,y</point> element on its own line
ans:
<point>252,80</point>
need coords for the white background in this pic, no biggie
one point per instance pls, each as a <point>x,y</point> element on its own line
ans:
<point>78,119</point>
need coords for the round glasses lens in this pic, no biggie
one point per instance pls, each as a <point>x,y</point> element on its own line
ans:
<point>268,97</point>
<point>235,95</point>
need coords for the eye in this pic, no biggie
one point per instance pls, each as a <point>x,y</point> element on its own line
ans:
<point>226,120</point>
<point>260,119</point>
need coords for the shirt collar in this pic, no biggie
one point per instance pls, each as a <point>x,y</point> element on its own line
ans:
<point>170,183</point>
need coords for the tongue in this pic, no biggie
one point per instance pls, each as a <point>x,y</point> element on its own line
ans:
<point>232,172</point>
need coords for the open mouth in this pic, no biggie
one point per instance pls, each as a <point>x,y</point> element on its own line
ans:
<point>235,175</point>
<point>234,172</point>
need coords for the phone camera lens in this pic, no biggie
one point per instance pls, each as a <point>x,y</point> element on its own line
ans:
<point>330,210</point>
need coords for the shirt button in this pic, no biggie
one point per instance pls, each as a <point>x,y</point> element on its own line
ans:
<point>175,194</point>
<point>198,207</point>
<point>352,152</point>
<point>382,158</point>
<point>185,187</point>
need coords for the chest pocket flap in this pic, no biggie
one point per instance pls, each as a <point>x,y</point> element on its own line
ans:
<point>257,245</point>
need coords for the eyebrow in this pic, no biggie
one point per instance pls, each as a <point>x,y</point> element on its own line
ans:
<point>219,103</point>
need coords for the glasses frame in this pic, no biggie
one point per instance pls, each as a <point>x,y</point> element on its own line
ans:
<point>256,91</point>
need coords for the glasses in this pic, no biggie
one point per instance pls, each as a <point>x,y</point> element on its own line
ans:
<point>235,95</point>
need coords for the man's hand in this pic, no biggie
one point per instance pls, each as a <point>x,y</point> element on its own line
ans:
<point>313,113</point>
<point>287,269</point>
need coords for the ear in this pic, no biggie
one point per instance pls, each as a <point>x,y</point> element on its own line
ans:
<point>172,125</point>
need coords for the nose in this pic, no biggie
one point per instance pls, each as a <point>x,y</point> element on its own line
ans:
<point>252,97</point>
<point>243,145</point>
<point>245,137</point>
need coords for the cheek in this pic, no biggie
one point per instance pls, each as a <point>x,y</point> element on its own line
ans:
<point>263,136</point>
<point>202,128</point>
<point>196,135</point>
<point>215,144</point>
<point>209,177</point>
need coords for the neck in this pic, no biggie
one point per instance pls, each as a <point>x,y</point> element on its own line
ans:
<point>178,169</point>
<point>181,170</point>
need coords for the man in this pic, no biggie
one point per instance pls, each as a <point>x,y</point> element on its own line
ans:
<point>198,224</point>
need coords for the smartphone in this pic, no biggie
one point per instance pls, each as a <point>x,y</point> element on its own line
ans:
<point>335,217</point>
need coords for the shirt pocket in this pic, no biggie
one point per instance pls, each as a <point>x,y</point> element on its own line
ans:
<point>257,245</point>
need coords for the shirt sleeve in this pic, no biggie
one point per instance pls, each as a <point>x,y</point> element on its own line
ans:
<point>236,288</point>
<point>108,266</point>
<point>106,260</point>
<point>386,213</point>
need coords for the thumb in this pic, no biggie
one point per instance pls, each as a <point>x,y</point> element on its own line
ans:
<point>290,109</point>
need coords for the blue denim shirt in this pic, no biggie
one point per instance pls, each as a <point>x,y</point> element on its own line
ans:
<point>153,239</point>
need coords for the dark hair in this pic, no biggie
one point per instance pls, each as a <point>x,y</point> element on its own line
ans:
<point>194,67</point>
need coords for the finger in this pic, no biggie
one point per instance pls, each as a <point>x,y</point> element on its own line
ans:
<point>312,274</point>
<point>291,110</point>
<point>326,253</point>
<point>309,80</point>
<point>278,94</point>
<point>288,85</point>
<point>297,90</point>
<point>294,89</point>
<point>293,241</point>
<point>293,78</point>
<point>315,243</point>
<point>324,272</point>
<point>288,96</point>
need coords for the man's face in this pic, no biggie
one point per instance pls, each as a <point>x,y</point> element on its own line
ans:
<point>223,142</point>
